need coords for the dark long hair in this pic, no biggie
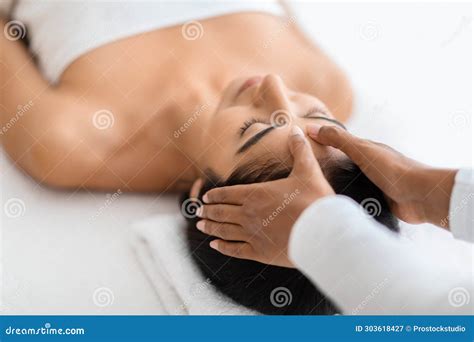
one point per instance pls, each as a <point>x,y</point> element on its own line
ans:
<point>269,289</point>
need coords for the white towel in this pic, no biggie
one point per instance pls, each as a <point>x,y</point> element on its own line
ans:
<point>161,247</point>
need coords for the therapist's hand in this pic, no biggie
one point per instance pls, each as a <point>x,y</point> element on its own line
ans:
<point>416,193</point>
<point>254,221</point>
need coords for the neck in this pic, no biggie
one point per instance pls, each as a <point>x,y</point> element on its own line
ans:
<point>190,119</point>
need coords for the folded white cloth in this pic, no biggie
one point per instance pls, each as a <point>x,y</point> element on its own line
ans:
<point>87,25</point>
<point>161,247</point>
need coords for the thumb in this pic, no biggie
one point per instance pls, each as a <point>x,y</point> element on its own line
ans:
<point>304,162</point>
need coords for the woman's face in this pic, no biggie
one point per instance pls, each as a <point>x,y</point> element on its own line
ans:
<point>253,122</point>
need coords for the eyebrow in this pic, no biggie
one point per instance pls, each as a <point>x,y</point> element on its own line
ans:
<point>334,121</point>
<point>257,137</point>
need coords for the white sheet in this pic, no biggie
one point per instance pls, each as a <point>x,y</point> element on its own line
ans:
<point>161,246</point>
<point>413,72</point>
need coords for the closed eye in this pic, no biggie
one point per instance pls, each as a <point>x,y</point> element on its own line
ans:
<point>253,140</point>
<point>323,115</point>
<point>247,124</point>
<point>316,110</point>
<point>334,121</point>
<point>313,110</point>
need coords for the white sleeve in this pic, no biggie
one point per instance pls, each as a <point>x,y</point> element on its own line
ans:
<point>461,206</point>
<point>367,269</point>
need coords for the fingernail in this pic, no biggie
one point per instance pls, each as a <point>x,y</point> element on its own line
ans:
<point>213,244</point>
<point>199,212</point>
<point>205,198</point>
<point>296,130</point>
<point>197,185</point>
<point>200,225</point>
<point>313,130</point>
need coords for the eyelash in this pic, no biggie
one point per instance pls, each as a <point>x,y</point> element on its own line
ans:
<point>249,123</point>
<point>316,109</point>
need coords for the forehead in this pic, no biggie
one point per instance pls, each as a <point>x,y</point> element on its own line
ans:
<point>223,142</point>
<point>222,157</point>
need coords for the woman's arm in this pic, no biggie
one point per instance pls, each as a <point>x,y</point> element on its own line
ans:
<point>24,94</point>
<point>46,133</point>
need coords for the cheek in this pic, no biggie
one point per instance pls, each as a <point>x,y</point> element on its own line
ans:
<point>229,92</point>
<point>225,123</point>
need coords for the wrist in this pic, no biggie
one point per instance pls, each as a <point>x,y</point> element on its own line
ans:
<point>315,191</point>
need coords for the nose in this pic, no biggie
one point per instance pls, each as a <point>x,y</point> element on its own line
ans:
<point>273,94</point>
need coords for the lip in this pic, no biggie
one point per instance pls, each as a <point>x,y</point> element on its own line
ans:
<point>248,83</point>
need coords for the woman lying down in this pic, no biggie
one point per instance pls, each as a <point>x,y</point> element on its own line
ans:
<point>154,100</point>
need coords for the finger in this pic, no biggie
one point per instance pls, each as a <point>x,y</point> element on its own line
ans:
<point>225,231</point>
<point>196,188</point>
<point>221,212</point>
<point>359,150</point>
<point>375,160</point>
<point>241,250</point>
<point>234,194</point>
<point>304,162</point>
